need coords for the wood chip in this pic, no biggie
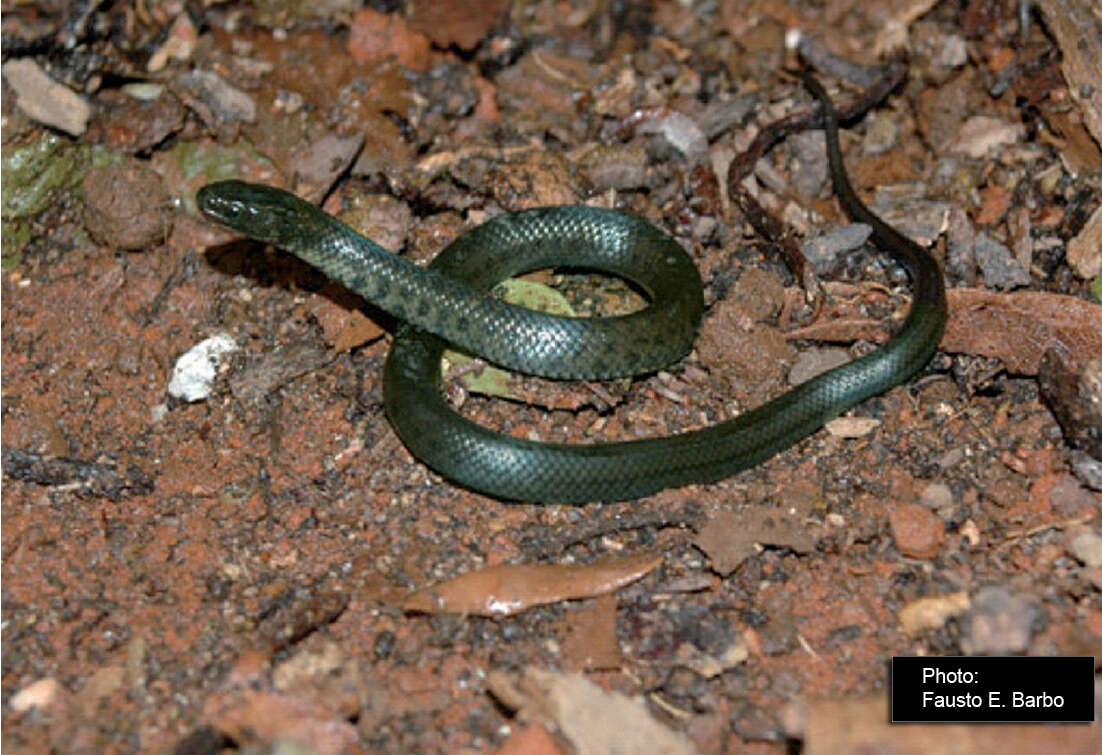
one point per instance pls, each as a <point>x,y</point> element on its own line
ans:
<point>1077,27</point>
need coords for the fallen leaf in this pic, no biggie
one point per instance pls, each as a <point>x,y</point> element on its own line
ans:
<point>596,722</point>
<point>494,381</point>
<point>267,372</point>
<point>729,537</point>
<point>1017,328</point>
<point>591,641</point>
<point>510,589</point>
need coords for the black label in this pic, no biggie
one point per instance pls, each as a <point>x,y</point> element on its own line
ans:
<point>985,689</point>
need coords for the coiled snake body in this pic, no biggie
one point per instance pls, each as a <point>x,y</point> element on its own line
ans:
<point>448,302</point>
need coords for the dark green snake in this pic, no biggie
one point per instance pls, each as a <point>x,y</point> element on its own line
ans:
<point>449,302</point>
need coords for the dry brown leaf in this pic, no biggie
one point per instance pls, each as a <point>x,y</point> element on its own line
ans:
<point>1014,327</point>
<point>1017,328</point>
<point>343,325</point>
<point>596,722</point>
<point>510,589</point>
<point>729,537</point>
<point>591,641</point>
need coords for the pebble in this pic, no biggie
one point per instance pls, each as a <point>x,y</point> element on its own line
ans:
<point>41,694</point>
<point>982,135</point>
<point>916,531</point>
<point>951,458</point>
<point>1085,250</point>
<point>1069,499</point>
<point>809,169</point>
<point>825,250</point>
<point>999,622</point>
<point>681,133</point>
<point>45,100</point>
<point>218,100</point>
<point>852,427</point>
<point>621,167</point>
<point>1086,546</point>
<point>814,362</point>
<point>952,51</point>
<point>1088,469</point>
<point>937,497</point>
<point>881,134</point>
<point>196,368</point>
<point>126,206</point>
<point>999,266</point>
<point>960,251</point>
<point>760,293</point>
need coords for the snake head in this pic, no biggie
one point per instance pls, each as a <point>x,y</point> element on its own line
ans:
<point>261,212</point>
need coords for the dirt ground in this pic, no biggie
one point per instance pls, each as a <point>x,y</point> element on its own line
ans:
<point>246,567</point>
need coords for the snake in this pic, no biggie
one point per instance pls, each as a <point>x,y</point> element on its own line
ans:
<point>451,302</point>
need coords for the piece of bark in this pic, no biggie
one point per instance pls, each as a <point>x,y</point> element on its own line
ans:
<point>1072,388</point>
<point>1085,250</point>
<point>1077,27</point>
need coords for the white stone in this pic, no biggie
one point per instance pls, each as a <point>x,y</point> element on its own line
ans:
<point>195,370</point>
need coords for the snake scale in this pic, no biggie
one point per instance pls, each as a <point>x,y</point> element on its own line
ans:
<point>449,302</point>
